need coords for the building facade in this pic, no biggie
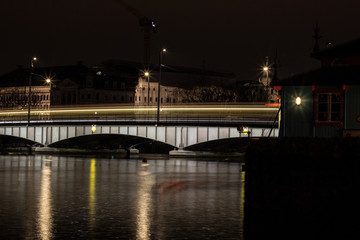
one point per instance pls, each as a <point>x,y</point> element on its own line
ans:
<point>180,84</point>
<point>70,85</point>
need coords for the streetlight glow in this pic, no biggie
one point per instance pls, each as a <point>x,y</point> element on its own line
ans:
<point>266,69</point>
<point>48,80</point>
<point>146,74</point>
<point>298,101</point>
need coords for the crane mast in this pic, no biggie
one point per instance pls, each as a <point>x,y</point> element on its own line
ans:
<point>147,24</point>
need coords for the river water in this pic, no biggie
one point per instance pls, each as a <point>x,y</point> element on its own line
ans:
<point>58,197</point>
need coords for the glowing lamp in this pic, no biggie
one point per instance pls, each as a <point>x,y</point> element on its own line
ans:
<point>298,101</point>
<point>48,80</point>
<point>265,69</point>
<point>245,130</point>
<point>146,74</point>
<point>93,128</point>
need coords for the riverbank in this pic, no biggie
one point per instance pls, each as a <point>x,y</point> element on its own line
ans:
<point>302,188</point>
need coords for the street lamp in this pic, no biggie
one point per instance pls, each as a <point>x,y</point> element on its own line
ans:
<point>147,74</point>
<point>34,59</point>
<point>158,98</point>
<point>49,81</point>
<point>266,69</point>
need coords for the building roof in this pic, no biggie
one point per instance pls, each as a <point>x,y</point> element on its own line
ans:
<point>350,48</point>
<point>339,75</point>
<point>194,76</point>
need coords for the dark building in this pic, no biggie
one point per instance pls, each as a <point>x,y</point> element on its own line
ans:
<point>325,101</point>
<point>77,84</point>
<point>110,82</point>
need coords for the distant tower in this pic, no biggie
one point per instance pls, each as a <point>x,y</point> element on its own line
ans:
<point>276,68</point>
<point>316,36</point>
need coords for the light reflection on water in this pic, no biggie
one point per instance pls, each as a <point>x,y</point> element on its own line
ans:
<point>92,195</point>
<point>144,203</point>
<point>66,197</point>
<point>44,219</point>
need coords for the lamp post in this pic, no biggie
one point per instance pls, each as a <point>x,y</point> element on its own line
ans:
<point>34,59</point>
<point>50,83</point>
<point>158,97</point>
<point>147,74</point>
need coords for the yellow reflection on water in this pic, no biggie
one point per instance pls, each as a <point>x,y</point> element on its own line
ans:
<point>144,204</point>
<point>92,195</point>
<point>45,220</point>
<point>242,204</point>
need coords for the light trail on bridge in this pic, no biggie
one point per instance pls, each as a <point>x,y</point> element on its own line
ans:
<point>257,112</point>
<point>143,108</point>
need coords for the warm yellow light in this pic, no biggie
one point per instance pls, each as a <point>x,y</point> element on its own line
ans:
<point>48,80</point>
<point>266,69</point>
<point>146,74</point>
<point>164,49</point>
<point>34,58</point>
<point>93,128</point>
<point>245,130</point>
<point>298,101</point>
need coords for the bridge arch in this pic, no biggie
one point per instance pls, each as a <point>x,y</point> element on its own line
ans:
<point>106,141</point>
<point>15,141</point>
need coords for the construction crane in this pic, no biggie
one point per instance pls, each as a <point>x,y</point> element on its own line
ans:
<point>147,24</point>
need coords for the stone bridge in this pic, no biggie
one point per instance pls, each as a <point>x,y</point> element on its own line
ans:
<point>177,136</point>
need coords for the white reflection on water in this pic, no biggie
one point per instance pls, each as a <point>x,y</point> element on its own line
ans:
<point>45,220</point>
<point>144,203</point>
<point>92,195</point>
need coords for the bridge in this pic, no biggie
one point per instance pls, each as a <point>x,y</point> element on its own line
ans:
<point>179,126</point>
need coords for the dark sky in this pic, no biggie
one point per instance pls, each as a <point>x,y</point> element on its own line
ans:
<point>227,35</point>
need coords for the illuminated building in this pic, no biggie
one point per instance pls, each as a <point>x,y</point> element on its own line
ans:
<point>177,83</point>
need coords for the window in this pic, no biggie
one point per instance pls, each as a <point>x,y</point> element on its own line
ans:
<point>328,108</point>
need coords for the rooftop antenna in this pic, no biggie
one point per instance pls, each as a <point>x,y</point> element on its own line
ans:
<point>316,36</point>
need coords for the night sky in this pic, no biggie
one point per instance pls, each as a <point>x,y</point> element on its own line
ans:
<point>228,35</point>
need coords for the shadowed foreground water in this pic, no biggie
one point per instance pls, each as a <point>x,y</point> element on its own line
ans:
<point>48,197</point>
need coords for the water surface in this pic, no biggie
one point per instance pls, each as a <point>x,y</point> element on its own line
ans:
<point>52,197</point>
